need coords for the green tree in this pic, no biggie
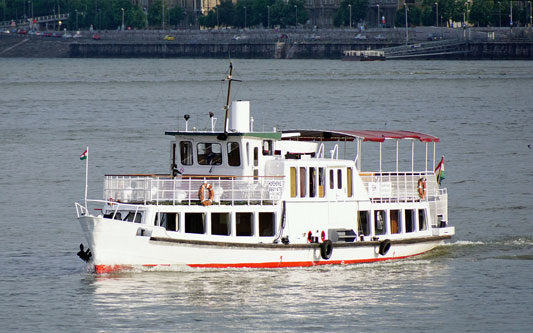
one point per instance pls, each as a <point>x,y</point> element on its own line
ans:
<point>414,15</point>
<point>481,13</point>
<point>342,16</point>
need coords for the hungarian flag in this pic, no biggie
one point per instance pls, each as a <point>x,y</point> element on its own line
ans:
<point>439,170</point>
<point>84,155</point>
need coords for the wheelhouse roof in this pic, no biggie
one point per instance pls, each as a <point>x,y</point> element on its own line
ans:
<point>261,135</point>
<point>365,135</point>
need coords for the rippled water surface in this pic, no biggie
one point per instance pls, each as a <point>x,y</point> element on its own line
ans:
<point>50,109</point>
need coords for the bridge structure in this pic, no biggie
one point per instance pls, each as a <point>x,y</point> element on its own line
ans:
<point>53,21</point>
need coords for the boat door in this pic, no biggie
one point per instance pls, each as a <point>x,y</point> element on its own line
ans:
<point>336,189</point>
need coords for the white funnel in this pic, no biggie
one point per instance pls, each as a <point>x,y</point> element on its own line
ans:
<point>240,117</point>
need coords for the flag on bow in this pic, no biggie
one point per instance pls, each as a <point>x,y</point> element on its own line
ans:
<point>84,155</point>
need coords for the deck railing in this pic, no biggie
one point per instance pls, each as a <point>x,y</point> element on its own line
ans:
<point>399,186</point>
<point>185,190</point>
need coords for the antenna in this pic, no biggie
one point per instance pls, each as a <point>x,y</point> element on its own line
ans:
<point>186,117</point>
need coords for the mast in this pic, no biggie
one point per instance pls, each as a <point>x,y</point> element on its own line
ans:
<point>226,107</point>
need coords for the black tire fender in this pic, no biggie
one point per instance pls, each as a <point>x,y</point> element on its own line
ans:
<point>326,249</point>
<point>384,247</point>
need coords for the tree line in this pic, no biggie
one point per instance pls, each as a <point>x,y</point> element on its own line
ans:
<point>108,14</point>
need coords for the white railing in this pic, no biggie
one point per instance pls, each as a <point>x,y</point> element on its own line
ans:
<point>399,186</point>
<point>185,191</point>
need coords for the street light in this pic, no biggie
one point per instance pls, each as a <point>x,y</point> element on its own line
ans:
<point>378,14</point>
<point>122,18</point>
<point>296,20</point>
<point>268,17</point>
<point>500,13</point>
<point>406,30</point>
<point>350,15</point>
<point>530,15</point>
<point>244,17</point>
<point>437,14</point>
<point>162,14</point>
<point>511,15</point>
<point>76,18</point>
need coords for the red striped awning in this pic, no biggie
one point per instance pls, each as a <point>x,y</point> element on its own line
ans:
<point>365,135</point>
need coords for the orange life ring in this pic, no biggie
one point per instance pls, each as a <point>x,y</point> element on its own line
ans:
<point>201,193</point>
<point>422,188</point>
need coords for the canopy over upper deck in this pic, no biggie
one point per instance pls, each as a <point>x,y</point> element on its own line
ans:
<point>365,135</point>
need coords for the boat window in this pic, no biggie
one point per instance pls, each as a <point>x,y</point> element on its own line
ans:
<point>395,223</point>
<point>379,222</point>
<point>247,153</point>
<point>168,221</point>
<point>293,182</point>
<point>234,154</point>
<point>266,224</point>
<point>331,179</point>
<point>118,215</point>
<point>422,225</point>
<point>186,153</point>
<point>339,178</point>
<point>132,215</point>
<point>220,224</point>
<point>409,220</point>
<point>194,223</point>
<point>364,225</point>
<point>256,156</point>
<point>312,182</point>
<point>267,147</point>
<point>243,224</point>
<point>302,182</point>
<point>321,182</point>
<point>209,154</point>
<point>349,182</point>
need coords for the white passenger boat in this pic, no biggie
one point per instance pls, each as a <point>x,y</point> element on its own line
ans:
<point>241,198</point>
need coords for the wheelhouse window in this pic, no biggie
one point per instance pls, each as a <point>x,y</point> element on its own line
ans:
<point>244,224</point>
<point>379,222</point>
<point>349,182</point>
<point>331,179</point>
<point>339,179</point>
<point>169,221</point>
<point>234,154</point>
<point>409,220</point>
<point>186,154</point>
<point>266,224</point>
<point>321,182</point>
<point>267,147</point>
<point>395,223</point>
<point>220,224</point>
<point>194,223</point>
<point>293,182</point>
<point>422,223</point>
<point>209,154</point>
<point>364,225</point>
<point>312,182</point>
<point>302,182</point>
<point>132,217</point>
<point>256,156</point>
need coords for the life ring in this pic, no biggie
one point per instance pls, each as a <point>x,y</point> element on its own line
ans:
<point>384,247</point>
<point>326,249</point>
<point>201,193</point>
<point>422,188</point>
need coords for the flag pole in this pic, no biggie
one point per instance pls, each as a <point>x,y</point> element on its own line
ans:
<point>86,177</point>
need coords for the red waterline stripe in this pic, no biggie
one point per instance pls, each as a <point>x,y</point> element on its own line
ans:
<point>106,269</point>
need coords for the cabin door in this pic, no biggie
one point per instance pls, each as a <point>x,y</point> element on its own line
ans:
<point>336,187</point>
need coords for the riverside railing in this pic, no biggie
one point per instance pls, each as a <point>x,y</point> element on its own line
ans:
<point>186,190</point>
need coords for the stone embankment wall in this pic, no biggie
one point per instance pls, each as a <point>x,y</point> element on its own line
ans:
<point>493,43</point>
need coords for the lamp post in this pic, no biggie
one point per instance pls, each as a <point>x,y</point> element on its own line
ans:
<point>500,13</point>
<point>511,14</point>
<point>216,10</point>
<point>530,14</point>
<point>244,17</point>
<point>350,6</point>
<point>406,30</point>
<point>296,18</point>
<point>76,18</point>
<point>437,14</point>
<point>162,14</point>
<point>122,18</point>
<point>268,17</point>
<point>378,13</point>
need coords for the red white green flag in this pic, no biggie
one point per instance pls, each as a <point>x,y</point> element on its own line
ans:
<point>439,170</point>
<point>84,155</point>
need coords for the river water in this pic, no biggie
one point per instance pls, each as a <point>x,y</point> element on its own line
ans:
<point>51,109</point>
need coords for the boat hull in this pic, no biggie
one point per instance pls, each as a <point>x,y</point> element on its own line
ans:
<point>118,246</point>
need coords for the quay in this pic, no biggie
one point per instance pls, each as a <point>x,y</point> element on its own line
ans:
<point>423,43</point>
